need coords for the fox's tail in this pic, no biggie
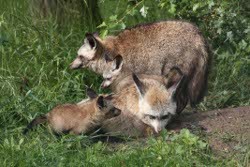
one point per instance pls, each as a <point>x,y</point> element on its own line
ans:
<point>198,83</point>
<point>34,122</point>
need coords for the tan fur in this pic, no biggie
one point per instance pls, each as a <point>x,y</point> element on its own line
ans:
<point>77,118</point>
<point>156,97</point>
<point>124,80</point>
<point>127,125</point>
<point>127,99</point>
<point>155,48</point>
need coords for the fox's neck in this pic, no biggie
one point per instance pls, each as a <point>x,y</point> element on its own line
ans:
<point>87,106</point>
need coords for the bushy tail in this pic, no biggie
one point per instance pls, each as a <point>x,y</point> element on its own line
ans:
<point>34,122</point>
<point>198,84</point>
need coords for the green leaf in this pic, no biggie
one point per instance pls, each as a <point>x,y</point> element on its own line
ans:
<point>210,4</point>
<point>230,35</point>
<point>132,12</point>
<point>113,18</point>
<point>144,11</point>
<point>202,144</point>
<point>102,25</point>
<point>162,4</point>
<point>104,33</point>
<point>195,7</point>
<point>172,9</point>
<point>121,26</point>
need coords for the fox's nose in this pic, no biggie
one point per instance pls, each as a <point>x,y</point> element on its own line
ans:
<point>103,85</point>
<point>73,66</point>
<point>158,129</point>
<point>76,64</point>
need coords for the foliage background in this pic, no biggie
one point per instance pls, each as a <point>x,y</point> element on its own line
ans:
<point>38,41</point>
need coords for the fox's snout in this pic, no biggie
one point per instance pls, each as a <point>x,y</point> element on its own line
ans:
<point>158,129</point>
<point>73,67</point>
<point>104,85</point>
<point>77,63</point>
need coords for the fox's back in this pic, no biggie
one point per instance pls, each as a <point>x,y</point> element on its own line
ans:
<point>67,116</point>
<point>147,48</point>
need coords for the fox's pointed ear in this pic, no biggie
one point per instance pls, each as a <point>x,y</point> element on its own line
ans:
<point>175,81</point>
<point>139,85</point>
<point>175,88</point>
<point>101,103</point>
<point>117,63</point>
<point>111,111</point>
<point>91,40</point>
<point>91,93</point>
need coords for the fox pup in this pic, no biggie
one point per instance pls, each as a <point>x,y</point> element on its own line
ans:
<point>78,118</point>
<point>153,49</point>
<point>147,100</point>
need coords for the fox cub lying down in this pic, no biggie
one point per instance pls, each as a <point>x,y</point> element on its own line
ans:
<point>78,118</point>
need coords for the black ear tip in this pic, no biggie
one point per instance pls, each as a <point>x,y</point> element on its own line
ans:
<point>89,90</point>
<point>100,102</point>
<point>119,57</point>
<point>91,93</point>
<point>100,98</point>
<point>88,34</point>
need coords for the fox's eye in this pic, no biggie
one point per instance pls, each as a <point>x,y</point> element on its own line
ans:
<point>109,78</point>
<point>81,56</point>
<point>151,117</point>
<point>112,110</point>
<point>165,116</point>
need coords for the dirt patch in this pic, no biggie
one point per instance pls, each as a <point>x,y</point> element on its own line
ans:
<point>226,130</point>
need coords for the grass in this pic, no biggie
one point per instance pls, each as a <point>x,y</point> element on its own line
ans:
<point>43,149</point>
<point>34,77</point>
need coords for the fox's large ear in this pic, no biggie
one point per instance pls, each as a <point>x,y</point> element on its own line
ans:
<point>91,93</point>
<point>175,81</point>
<point>139,85</point>
<point>91,40</point>
<point>101,103</point>
<point>117,63</point>
<point>112,110</point>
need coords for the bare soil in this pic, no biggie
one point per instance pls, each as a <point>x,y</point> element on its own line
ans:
<point>226,130</point>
